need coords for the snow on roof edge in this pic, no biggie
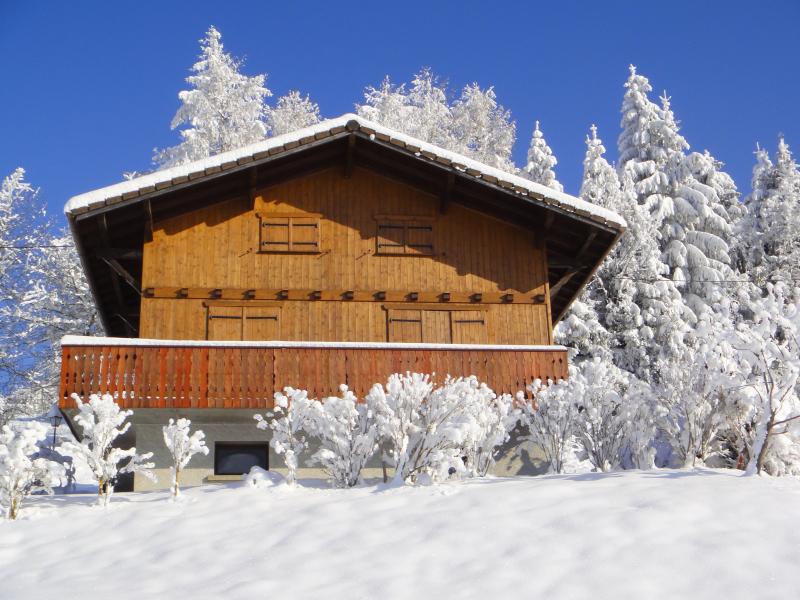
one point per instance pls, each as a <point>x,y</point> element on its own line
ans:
<point>85,340</point>
<point>151,181</point>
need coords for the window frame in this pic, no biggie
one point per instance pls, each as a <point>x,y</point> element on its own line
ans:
<point>264,445</point>
<point>406,224</point>
<point>452,309</point>
<point>243,307</point>
<point>292,221</point>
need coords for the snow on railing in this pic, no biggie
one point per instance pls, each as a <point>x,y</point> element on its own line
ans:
<point>78,340</point>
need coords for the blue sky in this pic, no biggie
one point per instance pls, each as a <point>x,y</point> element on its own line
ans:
<point>89,88</point>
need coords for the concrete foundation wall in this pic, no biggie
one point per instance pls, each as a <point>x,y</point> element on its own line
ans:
<point>230,425</point>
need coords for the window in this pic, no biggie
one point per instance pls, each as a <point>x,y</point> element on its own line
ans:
<point>404,237</point>
<point>436,326</point>
<point>289,234</point>
<point>237,458</point>
<point>227,322</point>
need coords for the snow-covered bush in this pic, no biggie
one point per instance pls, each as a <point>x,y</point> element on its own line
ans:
<point>550,420</point>
<point>604,406</point>
<point>396,411</point>
<point>290,422</point>
<point>698,390</point>
<point>182,447</point>
<point>21,471</point>
<point>434,432</point>
<point>770,351</point>
<point>348,437</point>
<point>490,419</point>
<point>102,422</point>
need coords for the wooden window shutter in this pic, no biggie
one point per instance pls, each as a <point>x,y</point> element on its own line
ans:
<point>404,237</point>
<point>468,327</point>
<point>261,323</point>
<point>303,234</point>
<point>436,327</point>
<point>404,326</point>
<point>274,234</point>
<point>289,234</point>
<point>224,323</point>
<point>419,239</point>
<point>391,238</point>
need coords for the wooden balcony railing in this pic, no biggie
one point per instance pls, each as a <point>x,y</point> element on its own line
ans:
<point>187,374</point>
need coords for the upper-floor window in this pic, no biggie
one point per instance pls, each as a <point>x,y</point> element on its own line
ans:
<point>404,237</point>
<point>436,325</point>
<point>288,234</point>
<point>230,322</point>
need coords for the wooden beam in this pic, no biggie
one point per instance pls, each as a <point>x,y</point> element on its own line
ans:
<point>118,253</point>
<point>586,244</point>
<point>563,280</point>
<point>253,183</point>
<point>444,201</point>
<point>339,295</point>
<point>348,155</point>
<point>122,272</point>
<point>102,226</point>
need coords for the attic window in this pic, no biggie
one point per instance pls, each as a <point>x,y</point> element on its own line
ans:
<point>408,238</point>
<point>289,234</point>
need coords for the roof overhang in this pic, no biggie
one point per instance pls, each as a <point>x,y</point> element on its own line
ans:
<point>110,225</point>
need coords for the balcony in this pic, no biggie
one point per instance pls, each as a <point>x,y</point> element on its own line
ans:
<point>172,374</point>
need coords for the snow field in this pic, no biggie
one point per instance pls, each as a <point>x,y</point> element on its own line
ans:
<point>633,534</point>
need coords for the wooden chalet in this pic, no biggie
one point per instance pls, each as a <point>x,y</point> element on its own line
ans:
<point>341,253</point>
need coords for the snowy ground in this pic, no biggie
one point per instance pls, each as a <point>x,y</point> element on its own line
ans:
<point>658,534</point>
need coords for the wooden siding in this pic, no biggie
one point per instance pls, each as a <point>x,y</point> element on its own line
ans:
<point>247,377</point>
<point>217,248</point>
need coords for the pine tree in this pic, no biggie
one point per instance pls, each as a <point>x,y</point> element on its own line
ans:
<point>482,129</point>
<point>43,296</point>
<point>541,162</point>
<point>600,183</point>
<point>772,229</point>
<point>224,109</point>
<point>430,115</point>
<point>650,147</point>
<point>474,125</point>
<point>697,227</point>
<point>292,112</point>
<point>387,105</point>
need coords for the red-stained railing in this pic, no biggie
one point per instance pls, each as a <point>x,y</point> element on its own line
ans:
<point>159,374</point>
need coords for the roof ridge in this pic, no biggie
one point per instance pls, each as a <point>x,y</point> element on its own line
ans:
<point>166,178</point>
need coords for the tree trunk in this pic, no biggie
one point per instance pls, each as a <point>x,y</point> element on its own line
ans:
<point>13,509</point>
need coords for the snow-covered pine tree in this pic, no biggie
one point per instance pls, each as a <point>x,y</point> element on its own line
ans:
<point>771,251</point>
<point>224,109</point>
<point>541,162</point>
<point>430,114</point>
<point>583,328</point>
<point>650,147</point>
<point>387,105</point>
<point>482,129</point>
<point>291,112</point>
<point>44,296</point>
<point>696,228</point>
<point>474,125</point>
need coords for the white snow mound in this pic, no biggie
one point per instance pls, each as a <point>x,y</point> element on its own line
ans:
<point>629,535</point>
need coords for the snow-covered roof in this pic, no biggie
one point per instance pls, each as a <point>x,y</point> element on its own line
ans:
<point>166,178</point>
<point>83,340</point>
